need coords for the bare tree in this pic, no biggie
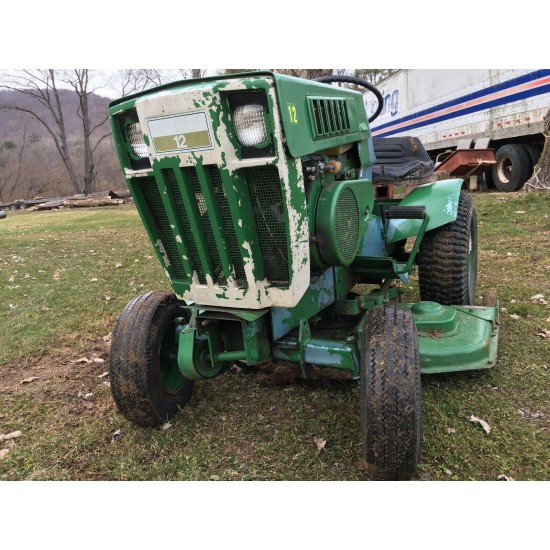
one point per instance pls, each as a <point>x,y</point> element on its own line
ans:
<point>540,180</point>
<point>6,176</point>
<point>374,75</point>
<point>137,80</point>
<point>41,86</point>
<point>305,73</point>
<point>81,83</point>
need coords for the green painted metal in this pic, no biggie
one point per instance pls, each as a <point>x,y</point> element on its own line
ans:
<point>257,342</point>
<point>318,296</point>
<point>454,339</point>
<point>172,379</point>
<point>196,359</point>
<point>301,136</point>
<point>340,222</point>
<point>451,339</point>
<point>239,355</point>
<point>213,216</point>
<point>186,353</point>
<point>441,201</point>
<point>316,351</point>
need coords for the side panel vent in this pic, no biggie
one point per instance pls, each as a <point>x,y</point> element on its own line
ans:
<point>329,116</point>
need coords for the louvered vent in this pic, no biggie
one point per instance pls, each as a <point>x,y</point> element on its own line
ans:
<point>329,116</point>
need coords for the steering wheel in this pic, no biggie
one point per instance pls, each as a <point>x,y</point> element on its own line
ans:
<point>359,82</point>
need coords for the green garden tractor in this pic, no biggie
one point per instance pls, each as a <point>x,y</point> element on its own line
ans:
<point>256,191</point>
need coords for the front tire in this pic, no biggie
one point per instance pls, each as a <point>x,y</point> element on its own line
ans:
<point>146,383</point>
<point>447,259</point>
<point>391,404</point>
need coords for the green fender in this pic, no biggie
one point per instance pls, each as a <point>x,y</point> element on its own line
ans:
<point>441,201</point>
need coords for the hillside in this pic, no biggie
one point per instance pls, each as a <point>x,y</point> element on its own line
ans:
<point>29,161</point>
<point>11,122</point>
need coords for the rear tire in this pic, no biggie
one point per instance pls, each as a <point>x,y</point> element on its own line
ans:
<point>512,169</point>
<point>447,259</point>
<point>533,152</point>
<point>391,402</point>
<point>146,383</point>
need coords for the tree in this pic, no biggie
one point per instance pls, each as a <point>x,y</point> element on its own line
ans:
<point>42,86</point>
<point>27,168</point>
<point>305,73</point>
<point>80,81</point>
<point>137,80</point>
<point>374,75</point>
<point>540,180</point>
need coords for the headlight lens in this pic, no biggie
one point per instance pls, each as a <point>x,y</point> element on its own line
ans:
<point>135,138</point>
<point>250,127</point>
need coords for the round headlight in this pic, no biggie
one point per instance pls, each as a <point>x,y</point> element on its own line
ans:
<point>249,122</point>
<point>135,138</point>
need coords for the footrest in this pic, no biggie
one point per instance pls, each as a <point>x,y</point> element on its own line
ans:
<point>405,213</point>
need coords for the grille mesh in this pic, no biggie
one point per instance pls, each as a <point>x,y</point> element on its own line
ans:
<point>156,208</point>
<point>266,198</point>
<point>227,223</point>
<point>190,237</point>
<point>264,187</point>
<point>347,224</point>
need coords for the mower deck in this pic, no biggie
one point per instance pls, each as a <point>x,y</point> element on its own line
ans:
<point>451,339</point>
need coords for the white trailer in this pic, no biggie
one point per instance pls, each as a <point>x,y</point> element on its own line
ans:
<point>501,109</point>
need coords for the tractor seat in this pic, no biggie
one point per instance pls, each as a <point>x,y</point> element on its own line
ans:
<point>400,159</point>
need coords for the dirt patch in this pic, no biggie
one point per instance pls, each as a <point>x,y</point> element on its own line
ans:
<point>81,386</point>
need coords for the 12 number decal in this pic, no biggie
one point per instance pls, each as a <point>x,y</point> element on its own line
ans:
<point>292,113</point>
<point>180,141</point>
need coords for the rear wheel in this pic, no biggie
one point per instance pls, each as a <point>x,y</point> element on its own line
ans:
<point>533,152</point>
<point>391,406</point>
<point>447,259</point>
<point>146,382</point>
<point>512,169</point>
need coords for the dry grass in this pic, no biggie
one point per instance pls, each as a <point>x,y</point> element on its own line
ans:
<point>248,423</point>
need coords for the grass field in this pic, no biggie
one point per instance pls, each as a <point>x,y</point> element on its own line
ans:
<point>65,276</point>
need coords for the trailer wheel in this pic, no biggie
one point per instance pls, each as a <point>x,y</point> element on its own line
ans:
<point>533,152</point>
<point>512,169</point>
<point>447,259</point>
<point>146,383</point>
<point>391,404</point>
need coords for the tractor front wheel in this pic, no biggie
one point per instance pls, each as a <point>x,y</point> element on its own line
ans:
<point>391,407</point>
<point>146,382</point>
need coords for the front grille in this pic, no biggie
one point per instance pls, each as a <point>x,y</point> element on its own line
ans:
<point>266,197</point>
<point>192,240</point>
<point>228,227</point>
<point>347,225</point>
<point>329,116</point>
<point>153,199</point>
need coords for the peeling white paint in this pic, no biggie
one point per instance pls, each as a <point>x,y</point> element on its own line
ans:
<point>259,294</point>
<point>449,206</point>
<point>162,250</point>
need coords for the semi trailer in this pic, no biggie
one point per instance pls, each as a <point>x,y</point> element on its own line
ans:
<point>502,109</point>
